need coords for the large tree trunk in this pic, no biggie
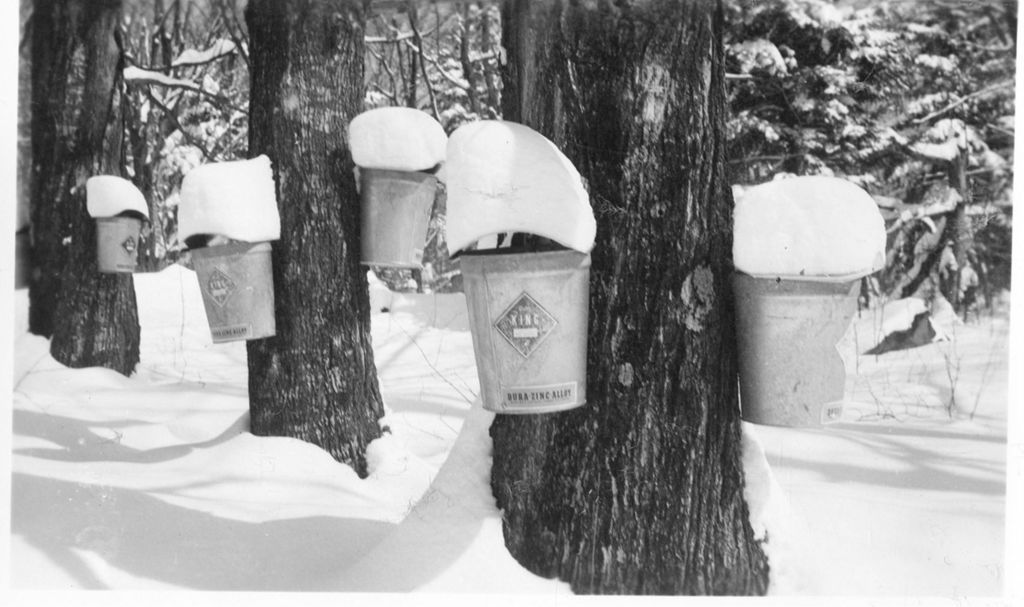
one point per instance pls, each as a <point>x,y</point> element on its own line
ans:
<point>641,489</point>
<point>76,133</point>
<point>316,379</point>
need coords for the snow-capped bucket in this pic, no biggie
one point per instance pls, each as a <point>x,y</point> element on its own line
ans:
<point>396,149</point>
<point>800,247</point>
<point>117,243</point>
<point>119,209</point>
<point>237,284</point>
<point>528,309</point>
<point>395,212</point>
<point>790,371</point>
<point>528,317</point>
<point>233,205</point>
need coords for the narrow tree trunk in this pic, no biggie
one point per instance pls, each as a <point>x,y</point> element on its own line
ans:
<point>412,12</point>
<point>76,133</point>
<point>468,69</point>
<point>641,489</point>
<point>959,225</point>
<point>143,134</point>
<point>316,379</point>
<point>491,79</point>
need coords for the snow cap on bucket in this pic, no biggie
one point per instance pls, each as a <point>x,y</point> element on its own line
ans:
<point>396,139</point>
<point>109,195</point>
<point>506,177</point>
<point>808,227</point>
<point>234,199</point>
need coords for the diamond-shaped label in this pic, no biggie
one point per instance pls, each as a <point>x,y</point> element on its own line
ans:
<point>129,245</point>
<point>525,324</point>
<point>219,286</point>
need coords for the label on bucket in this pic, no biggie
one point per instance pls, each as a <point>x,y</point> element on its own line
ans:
<point>525,324</point>
<point>831,412</point>
<point>231,332</point>
<point>530,397</point>
<point>219,287</point>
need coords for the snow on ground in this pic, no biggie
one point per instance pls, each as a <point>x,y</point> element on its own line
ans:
<point>903,496</point>
<point>153,482</point>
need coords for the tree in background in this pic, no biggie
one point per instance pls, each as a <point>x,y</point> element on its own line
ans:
<point>441,58</point>
<point>315,380</point>
<point>640,490</point>
<point>76,131</point>
<point>188,92</point>
<point>899,97</point>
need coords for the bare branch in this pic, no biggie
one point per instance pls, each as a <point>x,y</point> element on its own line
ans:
<point>423,65</point>
<point>437,65</point>
<point>170,115</point>
<point>389,94</point>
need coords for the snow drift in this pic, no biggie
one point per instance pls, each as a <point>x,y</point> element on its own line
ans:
<point>154,483</point>
<point>234,199</point>
<point>808,226</point>
<point>109,195</point>
<point>505,177</point>
<point>396,139</point>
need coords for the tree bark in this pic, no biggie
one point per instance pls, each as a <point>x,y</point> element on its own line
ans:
<point>316,379</point>
<point>640,490</point>
<point>77,132</point>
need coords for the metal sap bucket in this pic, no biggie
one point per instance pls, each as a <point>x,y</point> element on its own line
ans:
<point>528,317</point>
<point>395,211</point>
<point>237,284</point>
<point>790,371</point>
<point>117,244</point>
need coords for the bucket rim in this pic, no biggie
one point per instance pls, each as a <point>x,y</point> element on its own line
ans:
<point>418,176</point>
<point>231,248</point>
<point>567,260</point>
<point>831,278</point>
<point>508,252</point>
<point>121,219</point>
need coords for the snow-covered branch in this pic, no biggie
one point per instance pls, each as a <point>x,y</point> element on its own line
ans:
<point>142,76</point>
<point>387,39</point>
<point>950,198</point>
<point>147,76</point>
<point>220,48</point>
<point>965,99</point>
<point>461,83</point>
